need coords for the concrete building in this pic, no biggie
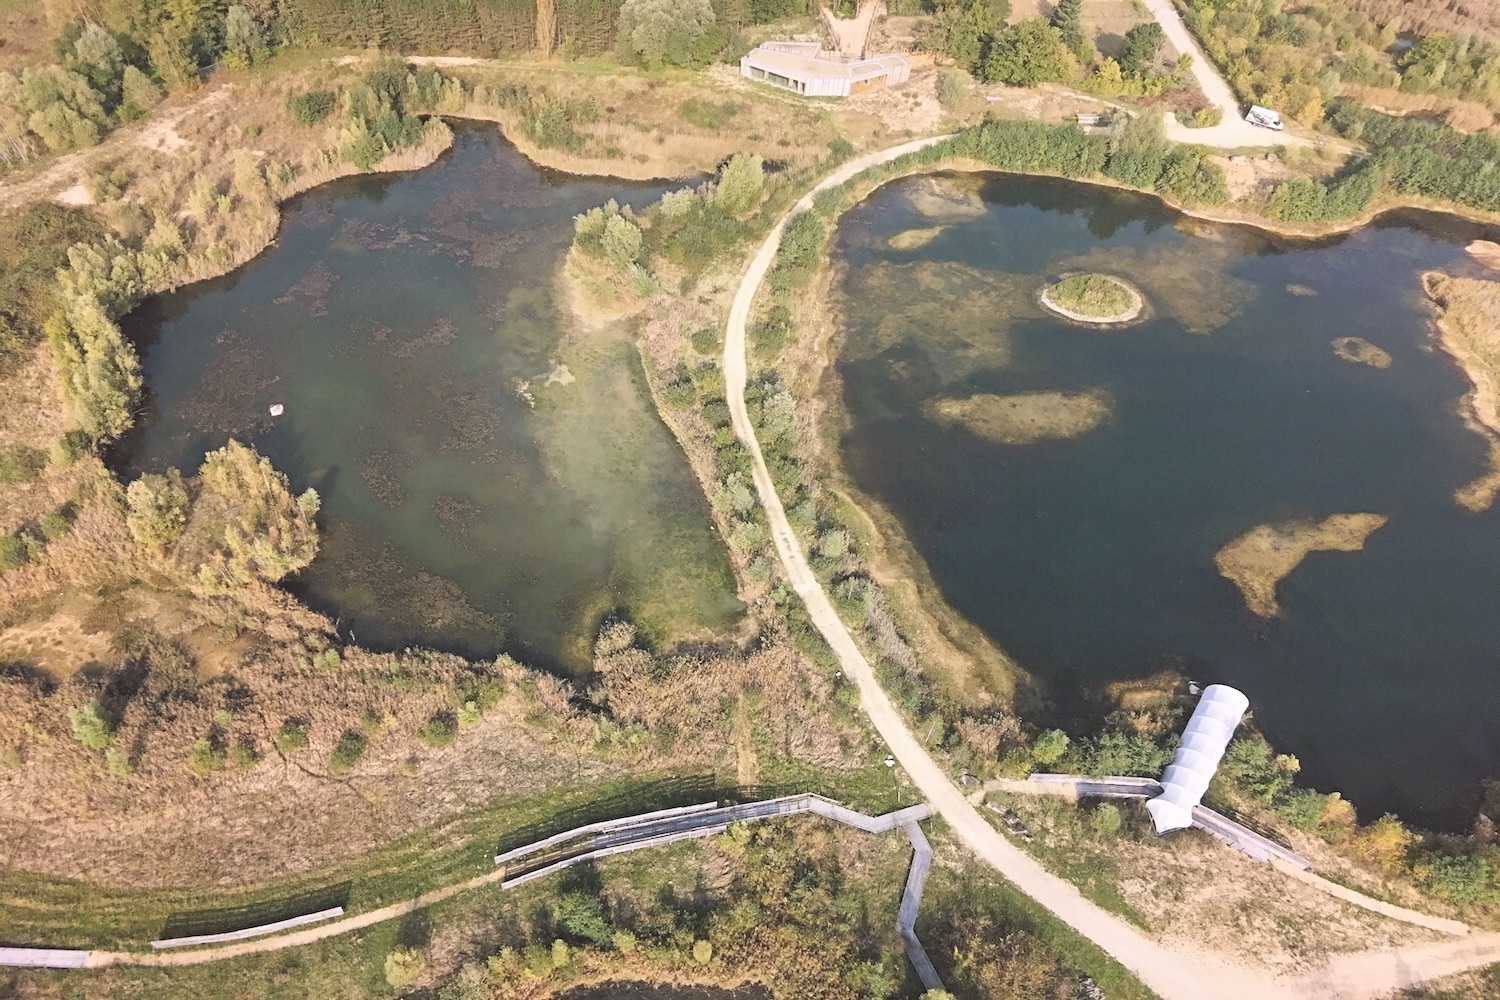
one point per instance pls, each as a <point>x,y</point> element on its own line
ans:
<point>1204,741</point>
<point>805,68</point>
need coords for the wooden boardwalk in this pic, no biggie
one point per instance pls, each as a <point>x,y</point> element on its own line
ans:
<point>526,864</point>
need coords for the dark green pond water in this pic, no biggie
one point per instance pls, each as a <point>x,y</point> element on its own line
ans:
<point>492,478</point>
<point>1092,558</point>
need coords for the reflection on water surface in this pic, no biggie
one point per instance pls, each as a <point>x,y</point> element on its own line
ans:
<point>491,476</point>
<point>1091,558</point>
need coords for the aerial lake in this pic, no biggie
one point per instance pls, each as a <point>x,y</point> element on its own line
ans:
<point>494,476</point>
<point>1091,557</point>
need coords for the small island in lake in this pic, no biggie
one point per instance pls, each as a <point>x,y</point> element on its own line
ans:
<point>1094,298</point>
<point>1261,557</point>
<point>1025,417</point>
<point>1361,352</point>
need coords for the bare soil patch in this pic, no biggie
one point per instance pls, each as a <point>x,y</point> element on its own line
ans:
<point>1259,559</point>
<point>1026,417</point>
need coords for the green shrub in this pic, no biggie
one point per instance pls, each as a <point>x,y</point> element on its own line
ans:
<point>953,87</point>
<point>840,149</point>
<point>67,447</point>
<point>438,731</point>
<point>57,523</point>
<point>1302,808</point>
<point>623,942</point>
<point>403,966</point>
<point>1105,819</point>
<point>659,33</point>
<point>310,107</point>
<point>327,659</point>
<point>14,553</point>
<point>243,755</point>
<point>561,953</point>
<point>680,395</point>
<point>118,764</point>
<point>1307,200</point>
<point>1460,877</point>
<point>469,714</point>
<point>157,509</point>
<point>206,758</point>
<point>1124,753</point>
<point>350,748</point>
<point>740,184</point>
<point>91,726</point>
<point>21,463</point>
<point>703,952</point>
<point>581,914</point>
<point>291,737</point>
<point>706,340</point>
<point>1048,747</point>
<point>770,335</point>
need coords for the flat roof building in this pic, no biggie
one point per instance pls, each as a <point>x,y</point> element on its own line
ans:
<point>804,68</point>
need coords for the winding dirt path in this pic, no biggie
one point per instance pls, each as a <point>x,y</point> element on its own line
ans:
<point>1173,974</point>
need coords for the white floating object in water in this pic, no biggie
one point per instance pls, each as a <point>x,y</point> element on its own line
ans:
<point>277,409</point>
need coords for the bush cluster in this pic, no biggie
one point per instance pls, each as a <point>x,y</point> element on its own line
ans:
<point>1137,153</point>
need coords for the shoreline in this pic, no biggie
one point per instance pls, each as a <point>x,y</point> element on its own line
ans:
<point>1480,406</point>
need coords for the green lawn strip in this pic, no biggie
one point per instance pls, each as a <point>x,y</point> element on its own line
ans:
<point>47,911</point>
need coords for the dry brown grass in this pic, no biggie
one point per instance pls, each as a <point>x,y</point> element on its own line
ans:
<point>1469,327</point>
<point>1191,889</point>
<point>26,34</point>
<point>1466,116</point>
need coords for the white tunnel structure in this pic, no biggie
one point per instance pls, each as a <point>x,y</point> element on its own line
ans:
<point>1204,740</point>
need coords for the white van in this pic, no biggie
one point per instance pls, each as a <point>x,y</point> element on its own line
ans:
<point>1265,118</point>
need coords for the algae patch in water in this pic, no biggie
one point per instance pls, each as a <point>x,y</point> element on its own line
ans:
<point>947,198</point>
<point>1260,558</point>
<point>1025,417</point>
<point>913,239</point>
<point>1188,281</point>
<point>1361,352</point>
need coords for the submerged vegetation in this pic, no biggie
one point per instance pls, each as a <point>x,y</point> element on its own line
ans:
<point>1025,417</point>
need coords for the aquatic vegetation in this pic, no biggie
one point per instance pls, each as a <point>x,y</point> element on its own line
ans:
<point>1025,417</point>
<point>1361,352</point>
<point>1263,556</point>
<point>912,239</point>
